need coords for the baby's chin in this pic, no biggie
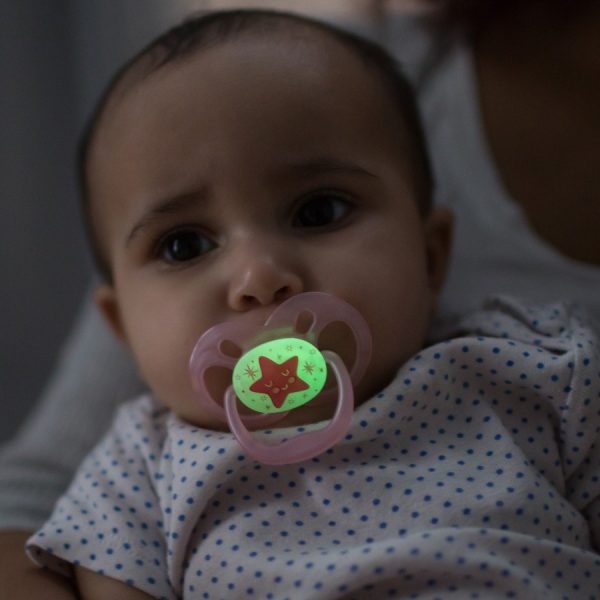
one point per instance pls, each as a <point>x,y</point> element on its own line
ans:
<point>307,414</point>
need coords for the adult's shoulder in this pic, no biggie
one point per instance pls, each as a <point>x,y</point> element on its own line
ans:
<point>413,39</point>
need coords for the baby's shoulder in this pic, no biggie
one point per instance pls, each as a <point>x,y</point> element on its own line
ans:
<point>141,414</point>
<point>140,427</point>
<point>556,326</point>
<point>506,325</point>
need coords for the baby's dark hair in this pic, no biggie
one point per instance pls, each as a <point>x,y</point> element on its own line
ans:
<point>211,29</point>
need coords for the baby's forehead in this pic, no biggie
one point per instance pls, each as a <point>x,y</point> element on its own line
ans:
<point>315,50</point>
<point>293,62</point>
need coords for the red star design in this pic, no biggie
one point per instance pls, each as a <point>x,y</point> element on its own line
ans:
<point>278,380</point>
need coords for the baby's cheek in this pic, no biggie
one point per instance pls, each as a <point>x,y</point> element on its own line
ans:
<point>174,390</point>
<point>163,369</point>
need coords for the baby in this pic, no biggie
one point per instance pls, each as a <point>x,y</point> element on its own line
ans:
<point>243,159</point>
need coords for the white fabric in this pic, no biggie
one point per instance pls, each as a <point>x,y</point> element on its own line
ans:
<point>474,474</point>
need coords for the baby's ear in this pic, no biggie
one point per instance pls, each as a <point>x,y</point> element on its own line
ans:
<point>105,298</point>
<point>439,227</point>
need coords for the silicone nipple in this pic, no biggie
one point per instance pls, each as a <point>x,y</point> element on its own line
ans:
<point>281,368</point>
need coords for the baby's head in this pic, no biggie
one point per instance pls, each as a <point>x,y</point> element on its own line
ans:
<point>249,156</point>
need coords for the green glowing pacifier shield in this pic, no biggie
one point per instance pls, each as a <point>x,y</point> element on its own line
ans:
<point>279,375</point>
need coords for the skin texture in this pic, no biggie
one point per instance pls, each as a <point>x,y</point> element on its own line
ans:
<point>229,148</point>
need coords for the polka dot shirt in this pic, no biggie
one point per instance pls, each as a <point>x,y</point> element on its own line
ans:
<point>474,474</point>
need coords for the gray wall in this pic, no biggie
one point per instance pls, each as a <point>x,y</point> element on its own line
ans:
<point>54,59</point>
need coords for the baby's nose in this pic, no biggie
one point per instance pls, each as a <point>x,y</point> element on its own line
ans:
<point>263,277</point>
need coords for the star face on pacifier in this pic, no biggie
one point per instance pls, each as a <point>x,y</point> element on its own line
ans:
<point>279,375</point>
<point>278,380</point>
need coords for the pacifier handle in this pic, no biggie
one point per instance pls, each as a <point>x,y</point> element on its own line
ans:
<point>304,445</point>
<point>324,310</point>
<point>209,353</point>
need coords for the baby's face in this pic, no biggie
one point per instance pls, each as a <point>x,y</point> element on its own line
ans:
<point>248,173</point>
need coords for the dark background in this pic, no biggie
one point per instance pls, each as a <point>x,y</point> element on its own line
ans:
<point>54,59</point>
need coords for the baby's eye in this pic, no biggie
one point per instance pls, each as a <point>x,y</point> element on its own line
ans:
<point>322,210</point>
<point>181,246</point>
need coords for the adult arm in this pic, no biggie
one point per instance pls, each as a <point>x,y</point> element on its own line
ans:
<point>20,579</point>
<point>93,586</point>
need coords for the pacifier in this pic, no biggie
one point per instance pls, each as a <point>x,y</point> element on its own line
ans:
<point>276,367</point>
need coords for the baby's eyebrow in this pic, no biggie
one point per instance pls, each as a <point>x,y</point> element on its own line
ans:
<point>169,206</point>
<point>328,165</point>
<point>176,204</point>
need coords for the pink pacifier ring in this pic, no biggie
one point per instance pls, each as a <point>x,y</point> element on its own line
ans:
<point>208,353</point>
<point>304,445</point>
<point>325,309</point>
<point>261,365</point>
